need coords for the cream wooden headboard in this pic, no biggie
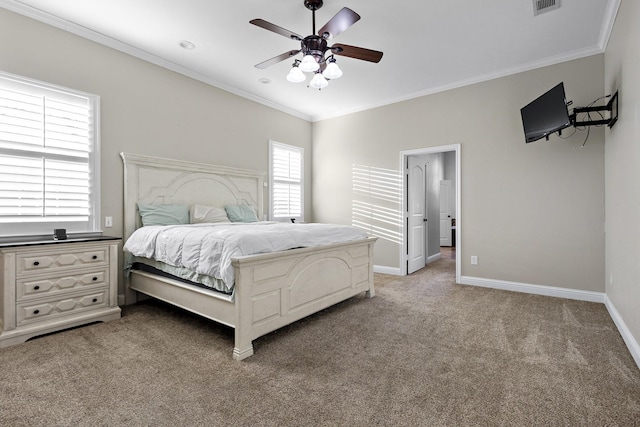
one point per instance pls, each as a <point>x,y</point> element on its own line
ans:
<point>155,180</point>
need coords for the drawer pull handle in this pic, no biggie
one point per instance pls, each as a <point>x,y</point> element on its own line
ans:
<point>36,311</point>
<point>36,287</point>
<point>95,300</point>
<point>94,257</point>
<point>36,263</point>
<point>95,278</point>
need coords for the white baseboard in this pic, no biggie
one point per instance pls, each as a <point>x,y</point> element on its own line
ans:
<point>395,271</point>
<point>632,344</point>
<point>527,288</point>
<point>433,258</point>
<point>386,270</point>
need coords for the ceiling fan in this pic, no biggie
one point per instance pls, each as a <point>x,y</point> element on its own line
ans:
<point>315,47</point>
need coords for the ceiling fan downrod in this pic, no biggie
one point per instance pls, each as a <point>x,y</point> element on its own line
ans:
<point>313,5</point>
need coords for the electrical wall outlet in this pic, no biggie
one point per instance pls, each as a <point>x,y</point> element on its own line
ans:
<point>108,221</point>
<point>474,260</point>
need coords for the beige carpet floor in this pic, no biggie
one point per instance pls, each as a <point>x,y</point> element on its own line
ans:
<point>423,352</point>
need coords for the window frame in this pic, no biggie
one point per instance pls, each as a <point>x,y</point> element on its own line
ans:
<point>291,148</point>
<point>44,227</point>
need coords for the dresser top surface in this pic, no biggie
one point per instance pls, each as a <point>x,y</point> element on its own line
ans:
<point>37,242</point>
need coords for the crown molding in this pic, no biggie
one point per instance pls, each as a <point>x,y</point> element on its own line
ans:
<point>607,25</point>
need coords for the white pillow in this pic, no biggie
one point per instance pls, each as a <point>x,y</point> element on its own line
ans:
<point>200,213</point>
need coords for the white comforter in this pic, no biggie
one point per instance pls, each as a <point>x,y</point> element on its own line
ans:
<point>208,248</point>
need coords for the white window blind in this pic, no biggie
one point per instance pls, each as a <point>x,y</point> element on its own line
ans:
<point>286,181</point>
<point>48,158</point>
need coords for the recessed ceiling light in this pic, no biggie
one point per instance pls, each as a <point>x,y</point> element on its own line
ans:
<point>264,80</point>
<point>186,44</point>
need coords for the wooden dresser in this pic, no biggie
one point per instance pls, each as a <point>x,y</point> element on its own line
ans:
<point>47,286</point>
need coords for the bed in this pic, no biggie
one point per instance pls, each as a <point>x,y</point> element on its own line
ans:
<point>271,290</point>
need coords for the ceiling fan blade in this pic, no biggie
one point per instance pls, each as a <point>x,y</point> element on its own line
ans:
<point>276,29</point>
<point>356,52</point>
<point>340,22</point>
<point>276,59</point>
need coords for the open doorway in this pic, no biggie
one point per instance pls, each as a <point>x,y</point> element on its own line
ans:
<point>431,228</point>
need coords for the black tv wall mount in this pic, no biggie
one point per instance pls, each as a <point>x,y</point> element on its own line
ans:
<point>611,107</point>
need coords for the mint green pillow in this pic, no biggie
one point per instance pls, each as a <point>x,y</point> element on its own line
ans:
<point>241,213</point>
<point>163,214</point>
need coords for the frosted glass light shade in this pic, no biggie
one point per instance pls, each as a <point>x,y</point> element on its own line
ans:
<point>309,64</point>
<point>318,81</point>
<point>296,75</point>
<point>332,71</point>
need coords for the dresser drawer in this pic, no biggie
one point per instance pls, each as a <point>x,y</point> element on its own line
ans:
<point>36,311</point>
<point>63,259</point>
<point>29,288</point>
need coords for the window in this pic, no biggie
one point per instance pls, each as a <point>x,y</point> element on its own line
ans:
<point>49,158</point>
<point>286,182</point>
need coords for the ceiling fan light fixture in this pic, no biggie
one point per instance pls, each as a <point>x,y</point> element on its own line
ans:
<point>296,75</point>
<point>332,71</point>
<point>309,64</point>
<point>317,55</point>
<point>318,81</point>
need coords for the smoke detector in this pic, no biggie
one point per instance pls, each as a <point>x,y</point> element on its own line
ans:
<point>540,6</point>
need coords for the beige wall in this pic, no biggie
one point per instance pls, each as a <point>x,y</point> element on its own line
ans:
<point>532,213</point>
<point>148,110</point>
<point>622,168</point>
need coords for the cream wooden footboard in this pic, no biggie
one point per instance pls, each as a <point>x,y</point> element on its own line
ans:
<point>271,290</point>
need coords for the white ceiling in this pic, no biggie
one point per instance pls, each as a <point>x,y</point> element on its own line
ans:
<point>428,45</point>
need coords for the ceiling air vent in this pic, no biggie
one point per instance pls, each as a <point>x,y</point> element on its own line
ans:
<point>540,6</point>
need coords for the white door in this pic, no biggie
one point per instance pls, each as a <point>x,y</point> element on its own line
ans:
<point>416,215</point>
<point>445,213</point>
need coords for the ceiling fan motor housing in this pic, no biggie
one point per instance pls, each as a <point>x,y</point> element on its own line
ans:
<point>315,46</point>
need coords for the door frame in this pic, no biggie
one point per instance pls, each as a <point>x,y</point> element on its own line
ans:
<point>403,162</point>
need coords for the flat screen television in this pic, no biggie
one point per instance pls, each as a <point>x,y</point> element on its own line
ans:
<point>546,114</point>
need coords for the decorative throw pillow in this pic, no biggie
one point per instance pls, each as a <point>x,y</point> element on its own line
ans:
<point>241,213</point>
<point>163,214</point>
<point>200,213</point>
